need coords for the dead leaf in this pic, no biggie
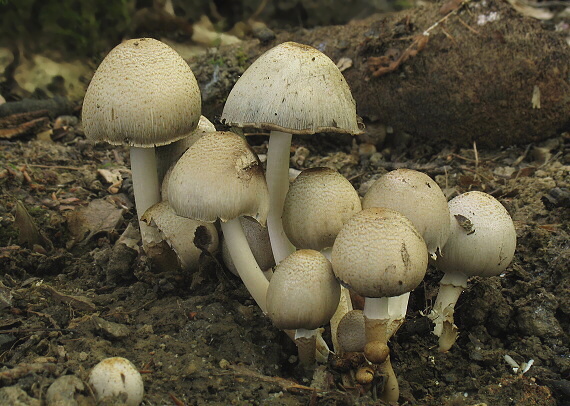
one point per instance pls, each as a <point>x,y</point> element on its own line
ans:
<point>77,302</point>
<point>29,233</point>
<point>100,216</point>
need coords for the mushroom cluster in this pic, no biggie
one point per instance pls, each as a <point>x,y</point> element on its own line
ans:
<point>323,241</point>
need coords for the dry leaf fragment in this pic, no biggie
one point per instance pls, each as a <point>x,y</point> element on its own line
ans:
<point>28,232</point>
<point>100,216</point>
<point>77,302</point>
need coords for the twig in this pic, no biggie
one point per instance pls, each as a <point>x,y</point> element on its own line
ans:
<point>26,369</point>
<point>71,168</point>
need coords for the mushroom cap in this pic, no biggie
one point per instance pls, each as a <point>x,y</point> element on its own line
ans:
<point>483,237</point>
<point>416,196</point>
<point>258,239</point>
<point>293,88</point>
<point>379,253</point>
<point>318,203</point>
<point>351,331</point>
<point>179,232</point>
<point>167,155</point>
<point>303,291</point>
<point>116,375</point>
<point>219,176</point>
<point>143,94</point>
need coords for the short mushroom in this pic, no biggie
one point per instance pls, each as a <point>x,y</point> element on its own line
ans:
<point>318,203</point>
<point>117,376</point>
<point>379,254</point>
<point>290,89</point>
<point>220,177</point>
<point>258,239</point>
<point>303,294</point>
<point>143,94</point>
<point>482,243</point>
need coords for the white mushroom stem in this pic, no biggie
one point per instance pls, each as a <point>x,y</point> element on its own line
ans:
<point>450,288</point>
<point>306,341</point>
<point>277,176</point>
<point>245,263</point>
<point>146,188</point>
<point>397,309</point>
<point>344,306</point>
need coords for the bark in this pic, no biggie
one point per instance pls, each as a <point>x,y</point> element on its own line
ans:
<point>469,82</point>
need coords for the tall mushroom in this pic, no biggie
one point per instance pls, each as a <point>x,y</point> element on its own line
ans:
<point>379,254</point>
<point>482,243</point>
<point>290,89</point>
<point>220,177</point>
<point>303,294</point>
<point>421,200</point>
<point>143,94</point>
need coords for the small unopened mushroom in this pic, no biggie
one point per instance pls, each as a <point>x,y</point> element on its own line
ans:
<point>303,294</point>
<point>421,200</point>
<point>258,239</point>
<point>117,376</point>
<point>290,89</point>
<point>143,94</point>
<point>379,254</point>
<point>482,243</point>
<point>220,177</point>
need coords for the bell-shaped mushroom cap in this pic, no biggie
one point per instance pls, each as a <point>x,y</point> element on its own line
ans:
<point>292,88</point>
<point>318,203</point>
<point>167,155</point>
<point>379,253</point>
<point>180,232</point>
<point>219,176</point>
<point>483,236</point>
<point>258,239</point>
<point>143,94</point>
<point>351,331</point>
<point>416,196</point>
<point>303,292</point>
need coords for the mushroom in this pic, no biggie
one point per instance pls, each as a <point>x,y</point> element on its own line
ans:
<point>482,243</point>
<point>303,294</point>
<point>167,155</point>
<point>351,332</point>
<point>318,203</point>
<point>117,376</point>
<point>421,200</point>
<point>220,177</point>
<point>178,237</point>
<point>379,254</point>
<point>290,89</point>
<point>258,240</point>
<point>143,94</point>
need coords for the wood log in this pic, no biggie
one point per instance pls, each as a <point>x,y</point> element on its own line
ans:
<point>485,74</point>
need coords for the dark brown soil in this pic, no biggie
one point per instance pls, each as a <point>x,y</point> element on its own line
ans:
<point>69,301</point>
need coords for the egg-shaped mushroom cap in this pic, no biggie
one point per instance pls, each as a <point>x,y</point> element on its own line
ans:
<point>303,292</point>
<point>180,232</point>
<point>416,196</point>
<point>219,176</point>
<point>143,94</point>
<point>116,375</point>
<point>483,237</point>
<point>293,88</point>
<point>351,331</point>
<point>258,239</point>
<point>379,253</point>
<point>318,203</point>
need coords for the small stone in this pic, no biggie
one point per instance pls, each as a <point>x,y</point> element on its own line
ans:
<point>62,392</point>
<point>113,331</point>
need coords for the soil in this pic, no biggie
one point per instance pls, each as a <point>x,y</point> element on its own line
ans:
<point>76,287</point>
<point>73,291</point>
